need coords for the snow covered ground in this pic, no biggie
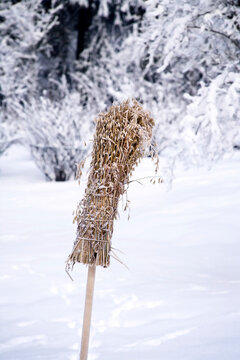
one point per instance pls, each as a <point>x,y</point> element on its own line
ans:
<point>180,298</point>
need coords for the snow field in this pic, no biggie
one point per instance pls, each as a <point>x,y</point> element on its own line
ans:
<point>180,298</point>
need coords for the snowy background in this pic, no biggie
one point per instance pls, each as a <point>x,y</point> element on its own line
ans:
<point>61,63</point>
<point>64,61</point>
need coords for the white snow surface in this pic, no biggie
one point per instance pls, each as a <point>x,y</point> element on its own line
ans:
<point>180,298</point>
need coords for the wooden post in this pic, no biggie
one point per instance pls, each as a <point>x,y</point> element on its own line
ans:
<point>87,312</point>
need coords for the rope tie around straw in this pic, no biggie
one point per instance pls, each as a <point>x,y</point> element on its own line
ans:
<point>122,134</point>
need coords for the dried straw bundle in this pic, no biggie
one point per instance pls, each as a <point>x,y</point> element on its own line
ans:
<point>120,141</point>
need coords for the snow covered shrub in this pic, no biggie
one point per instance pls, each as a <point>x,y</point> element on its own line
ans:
<point>212,121</point>
<point>8,135</point>
<point>207,129</point>
<point>56,133</point>
<point>4,140</point>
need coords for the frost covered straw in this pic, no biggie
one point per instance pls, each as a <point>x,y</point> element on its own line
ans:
<point>122,135</point>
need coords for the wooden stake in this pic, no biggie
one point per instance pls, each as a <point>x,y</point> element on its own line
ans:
<point>87,312</point>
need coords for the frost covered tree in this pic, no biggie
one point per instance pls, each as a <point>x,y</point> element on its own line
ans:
<point>23,37</point>
<point>175,57</point>
<point>180,52</point>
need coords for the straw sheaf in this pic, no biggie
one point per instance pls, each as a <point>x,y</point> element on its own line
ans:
<point>121,137</point>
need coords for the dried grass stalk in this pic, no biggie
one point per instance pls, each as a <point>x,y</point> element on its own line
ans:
<point>121,137</point>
